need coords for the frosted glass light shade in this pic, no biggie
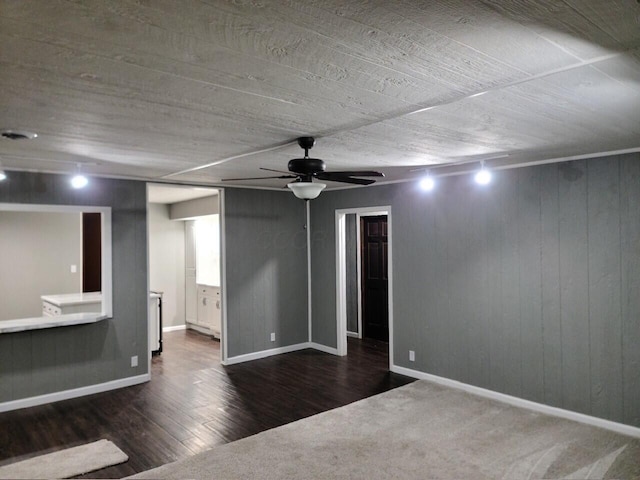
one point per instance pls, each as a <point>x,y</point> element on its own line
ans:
<point>306,190</point>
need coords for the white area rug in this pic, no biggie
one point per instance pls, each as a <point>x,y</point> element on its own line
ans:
<point>67,463</point>
<point>419,431</point>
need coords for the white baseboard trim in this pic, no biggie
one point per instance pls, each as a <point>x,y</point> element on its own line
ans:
<point>73,393</point>
<point>323,348</point>
<point>353,334</point>
<point>247,357</point>
<point>174,328</point>
<point>522,403</point>
<point>203,330</point>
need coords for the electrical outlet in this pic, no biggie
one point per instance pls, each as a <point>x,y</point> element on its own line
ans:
<point>412,356</point>
<point>273,337</point>
<point>134,361</point>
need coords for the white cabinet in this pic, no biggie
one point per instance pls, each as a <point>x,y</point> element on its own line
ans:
<point>209,308</point>
<point>50,310</point>
<point>203,307</point>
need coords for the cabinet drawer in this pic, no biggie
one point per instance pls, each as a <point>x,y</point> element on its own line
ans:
<point>208,290</point>
<point>50,310</point>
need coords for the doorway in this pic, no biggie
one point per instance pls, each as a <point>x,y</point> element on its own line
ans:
<point>374,226</point>
<point>374,307</point>
<point>186,260</point>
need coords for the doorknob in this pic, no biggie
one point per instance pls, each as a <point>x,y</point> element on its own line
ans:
<point>204,300</point>
<point>218,304</point>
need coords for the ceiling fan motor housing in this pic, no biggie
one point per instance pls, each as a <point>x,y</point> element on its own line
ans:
<point>306,166</point>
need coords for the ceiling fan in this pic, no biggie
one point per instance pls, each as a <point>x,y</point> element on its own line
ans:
<point>304,170</point>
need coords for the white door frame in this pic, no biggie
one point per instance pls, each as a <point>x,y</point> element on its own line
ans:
<point>223,267</point>
<point>358,276</point>
<point>341,274</point>
<point>223,278</point>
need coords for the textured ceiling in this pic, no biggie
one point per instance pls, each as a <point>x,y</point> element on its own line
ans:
<point>151,88</point>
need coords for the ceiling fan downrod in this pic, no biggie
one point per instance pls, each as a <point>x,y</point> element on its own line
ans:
<point>306,143</point>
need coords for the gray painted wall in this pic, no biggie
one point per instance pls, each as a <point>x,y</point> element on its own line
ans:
<point>166,263</point>
<point>45,361</point>
<point>194,208</point>
<point>529,287</point>
<point>351,272</point>
<point>266,270</point>
<point>37,250</point>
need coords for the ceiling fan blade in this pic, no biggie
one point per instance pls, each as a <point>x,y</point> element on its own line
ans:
<point>277,171</point>
<point>256,178</point>
<point>332,177</point>
<point>360,173</point>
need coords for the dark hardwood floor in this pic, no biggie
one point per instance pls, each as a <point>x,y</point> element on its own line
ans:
<point>193,403</point>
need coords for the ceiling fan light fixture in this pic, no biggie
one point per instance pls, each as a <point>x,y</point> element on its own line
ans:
<point>306,190</point>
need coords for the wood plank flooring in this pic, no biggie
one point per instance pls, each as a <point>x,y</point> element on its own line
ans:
<point>193,403</point>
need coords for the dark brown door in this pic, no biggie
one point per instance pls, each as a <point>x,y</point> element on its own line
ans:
<point>91,252</point>
<point>375,298</point>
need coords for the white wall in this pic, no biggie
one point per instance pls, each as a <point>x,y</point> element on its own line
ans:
<point>166,263</point>
<point>36,254</point>
<point>208,250</point>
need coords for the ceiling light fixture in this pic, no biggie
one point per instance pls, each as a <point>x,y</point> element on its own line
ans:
<point>306,190</point>
<point>483,176</point>
<point>427,183</point>
<point>79,181</point>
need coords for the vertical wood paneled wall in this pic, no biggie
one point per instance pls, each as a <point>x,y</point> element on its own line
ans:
<point>266,257</point>
<point>45,361</point>
<point>530,286</point>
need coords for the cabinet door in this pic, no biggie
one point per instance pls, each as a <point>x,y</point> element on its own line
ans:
<point>206,308</point>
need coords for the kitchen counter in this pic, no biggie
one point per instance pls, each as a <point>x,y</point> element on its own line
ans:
<point>22,324</point>
<point>72,299</point>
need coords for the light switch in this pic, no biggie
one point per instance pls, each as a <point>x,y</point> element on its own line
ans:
<point>74,269</point>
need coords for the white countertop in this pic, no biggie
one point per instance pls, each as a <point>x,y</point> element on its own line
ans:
<point>68,299</point>
<point>22,324</point>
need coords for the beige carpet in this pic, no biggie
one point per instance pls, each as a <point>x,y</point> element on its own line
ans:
<point>67,463</point>
<point>420,431</point>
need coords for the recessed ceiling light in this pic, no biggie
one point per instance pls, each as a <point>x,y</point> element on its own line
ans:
<point>427,183</point>
<point>79,181</point>
<point>18,135</point>
<point>483,176</point>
